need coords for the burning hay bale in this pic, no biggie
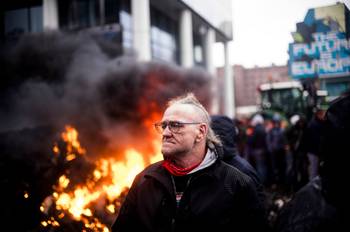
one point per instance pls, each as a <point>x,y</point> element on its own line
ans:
<point>87,193</point>
<point>76,122</point>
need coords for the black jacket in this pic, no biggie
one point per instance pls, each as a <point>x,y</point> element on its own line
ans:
<point>224,127</point>
<point>216,198</point>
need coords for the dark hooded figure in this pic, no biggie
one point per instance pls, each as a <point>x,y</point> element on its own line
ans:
<point>324,203</point>
<point>225,128</point>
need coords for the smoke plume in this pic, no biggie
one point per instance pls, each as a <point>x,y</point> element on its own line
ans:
<point>56,79</point>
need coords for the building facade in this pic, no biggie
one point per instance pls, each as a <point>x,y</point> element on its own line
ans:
<point>247,82</point>
<point>181,32</point>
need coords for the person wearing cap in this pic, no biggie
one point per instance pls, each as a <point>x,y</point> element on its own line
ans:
<point>256,147</point>
<point>323,204</point>
<point>192,189</point>
<point>276,145</point>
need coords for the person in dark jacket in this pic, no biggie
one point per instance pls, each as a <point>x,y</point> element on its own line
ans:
<point>256,149</point>
<point>191,189</point>
<point>312,141</point>
<point>224,127</point>
<point>297,169</point>
<point>276,143</point>
<point>323,204</point>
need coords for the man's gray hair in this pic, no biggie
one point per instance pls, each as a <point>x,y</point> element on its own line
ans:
<point>212,139</point>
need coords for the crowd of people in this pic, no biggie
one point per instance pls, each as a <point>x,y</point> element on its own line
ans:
<point>217,173</point>
<point>284,152</point>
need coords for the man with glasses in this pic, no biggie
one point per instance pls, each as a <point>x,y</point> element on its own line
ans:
<point>191,189</point>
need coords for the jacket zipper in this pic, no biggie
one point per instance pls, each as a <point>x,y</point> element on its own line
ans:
<point>173,220</point>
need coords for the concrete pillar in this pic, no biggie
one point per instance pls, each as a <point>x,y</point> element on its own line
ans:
<point>186,39</point>
<point>229,85</point>
<point>209,44</point>
<point>209,63</point>
<point>50,18</point>
<point>140,11</point>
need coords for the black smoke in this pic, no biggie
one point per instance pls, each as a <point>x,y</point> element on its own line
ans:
<point>57,79</point>
<point>54,79</point>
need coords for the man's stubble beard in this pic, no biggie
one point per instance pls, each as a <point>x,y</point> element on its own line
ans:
<point>173,155</point>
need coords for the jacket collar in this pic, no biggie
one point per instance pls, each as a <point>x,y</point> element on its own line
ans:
<point>160,174</point>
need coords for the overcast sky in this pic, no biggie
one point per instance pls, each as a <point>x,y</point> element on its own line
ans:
<point>262,30</point>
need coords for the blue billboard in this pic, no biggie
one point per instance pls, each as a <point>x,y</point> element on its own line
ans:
<point>321,46</point>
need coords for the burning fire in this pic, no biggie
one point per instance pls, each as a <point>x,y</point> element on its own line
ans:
<point>102,191</point>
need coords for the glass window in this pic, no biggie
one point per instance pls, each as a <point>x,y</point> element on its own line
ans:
<point>16,21</point>
<point>198,54</point>
<point>78,14</point>
<point>36,20</point>
<point>126,23</point>
<point>337,88</point>
<point>164,36</point>
<point>198,50</point>
<point>111,11</point>
<point>125,19</point>
<point>23,20</point>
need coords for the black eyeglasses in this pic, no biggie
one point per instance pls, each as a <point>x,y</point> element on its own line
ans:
<point>173,126</point>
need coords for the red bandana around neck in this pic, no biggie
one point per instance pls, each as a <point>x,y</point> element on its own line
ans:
<point>175,170</point>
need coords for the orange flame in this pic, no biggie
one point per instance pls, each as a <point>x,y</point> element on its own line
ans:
<point>71,137</point>
<point>108,180</point>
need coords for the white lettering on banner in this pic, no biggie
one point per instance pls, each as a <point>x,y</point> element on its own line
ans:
<point>325,55</point>
<point>330,65</point>
<point>323,43</point>
<point>322,67</point>
<point>302,68</point>
<point>319,36</point>
<point>329,54</point>
<point>322,36</point>
<point>343,43</point>
<point>298,48</point>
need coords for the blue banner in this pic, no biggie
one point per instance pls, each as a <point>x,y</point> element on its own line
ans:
<point>320,48</point>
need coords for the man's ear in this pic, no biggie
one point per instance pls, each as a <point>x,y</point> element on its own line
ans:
<point>202,132</point>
